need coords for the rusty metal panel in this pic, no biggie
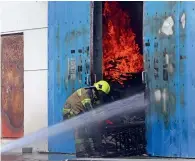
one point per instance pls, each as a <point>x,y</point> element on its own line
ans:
<point>12,86</point>
<point>169,41</point>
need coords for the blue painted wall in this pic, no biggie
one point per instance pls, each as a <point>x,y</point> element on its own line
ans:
<point>169,63</point>
<point>68,61</point>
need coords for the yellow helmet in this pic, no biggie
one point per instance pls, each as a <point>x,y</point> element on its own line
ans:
<point>103,86</point>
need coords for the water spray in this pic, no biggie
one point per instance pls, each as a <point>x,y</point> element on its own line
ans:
<point>129,105</point>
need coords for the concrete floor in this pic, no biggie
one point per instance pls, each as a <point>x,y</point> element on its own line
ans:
<point>35,157</point>
<point>63,157</point>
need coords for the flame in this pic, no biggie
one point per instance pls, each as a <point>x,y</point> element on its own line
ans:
<point>121,54</point>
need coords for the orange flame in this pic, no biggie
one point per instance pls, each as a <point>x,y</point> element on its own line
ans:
<point>121,54</point>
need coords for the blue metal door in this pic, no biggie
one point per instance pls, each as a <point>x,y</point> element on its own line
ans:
<point>168,29</point>
<point>69,62</point>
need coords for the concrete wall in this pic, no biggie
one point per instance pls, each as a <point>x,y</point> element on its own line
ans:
<point>31,19</point>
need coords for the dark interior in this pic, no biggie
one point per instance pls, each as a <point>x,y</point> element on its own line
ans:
<point>134,84</point>
<point>127,134</point>
<point>135,11</point>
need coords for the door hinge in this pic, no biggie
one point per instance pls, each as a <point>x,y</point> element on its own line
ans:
<point>144,77</point>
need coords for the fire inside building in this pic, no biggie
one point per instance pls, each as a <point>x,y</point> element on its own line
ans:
<point>122,55</point>
<point>122,67</point>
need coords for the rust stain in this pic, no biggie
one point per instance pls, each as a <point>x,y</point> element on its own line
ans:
<point>172,103</point>
<point>182,64</point>
<point>182,97</point>
<point>12,92</point>
<point>182,57</point>
<point>171,108</point>
<point>75,33</point>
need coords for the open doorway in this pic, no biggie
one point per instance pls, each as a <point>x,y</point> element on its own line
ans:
<point>122,47</point>
<point>118,59</point>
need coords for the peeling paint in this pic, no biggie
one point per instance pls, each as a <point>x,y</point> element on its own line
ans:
<point>171,68</point>
<point>167,27</point>
<point>183,20</point>
<point>167,58</point>
<point>164,99</point>
<point>157,95</point>
<point>172,103</point>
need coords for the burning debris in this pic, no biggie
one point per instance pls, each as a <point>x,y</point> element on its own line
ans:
<point>121,53</point>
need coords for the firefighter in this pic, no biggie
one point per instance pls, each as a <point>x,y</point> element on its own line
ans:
<point>83,100</point>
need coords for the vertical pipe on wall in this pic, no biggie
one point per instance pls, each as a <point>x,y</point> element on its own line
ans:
<point>91,40</point>
<point>0,82</point>
<point>97,43</point>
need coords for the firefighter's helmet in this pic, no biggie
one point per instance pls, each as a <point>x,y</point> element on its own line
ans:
<point>103,86</point>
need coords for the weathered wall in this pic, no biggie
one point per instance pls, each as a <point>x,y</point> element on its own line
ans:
<point>169,40</point>
<point>69,61</point>
<point>30,18</point>
<point>12,85</point>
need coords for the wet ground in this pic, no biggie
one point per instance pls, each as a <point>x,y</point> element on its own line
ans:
<point>35,157</point>
<point>63,157</point>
